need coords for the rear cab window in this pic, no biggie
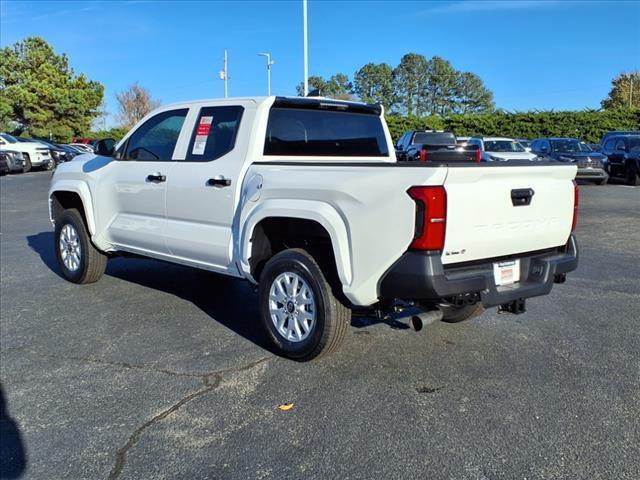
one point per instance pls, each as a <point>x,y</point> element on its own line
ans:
<point>435,138</point>
<point>334,130</point>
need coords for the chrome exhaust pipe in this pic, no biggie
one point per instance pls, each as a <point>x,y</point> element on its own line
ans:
<point>419,321</point>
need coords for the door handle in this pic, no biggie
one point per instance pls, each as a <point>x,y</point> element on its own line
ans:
<point>156,178</point>
<point>521,196</point>
<point>219,182</point>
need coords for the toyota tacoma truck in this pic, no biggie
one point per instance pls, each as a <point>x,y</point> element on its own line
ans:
<point>303,198</point>
<point>434,146</point>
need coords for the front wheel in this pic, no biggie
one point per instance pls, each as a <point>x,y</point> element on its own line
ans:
<point>50,165</point>
<point>79,260</point>
<point>298,309</point>
<point>26,167</point>
<point>631,176</point>
<point>600,182</point>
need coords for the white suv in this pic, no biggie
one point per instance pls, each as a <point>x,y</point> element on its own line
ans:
<point>35,154</point>
<point>501,149</point>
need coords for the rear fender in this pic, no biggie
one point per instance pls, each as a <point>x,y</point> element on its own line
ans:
<point>320,212</point>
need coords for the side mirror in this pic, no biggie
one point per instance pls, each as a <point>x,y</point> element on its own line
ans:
<point>544,149</point>
<point>105,147</point>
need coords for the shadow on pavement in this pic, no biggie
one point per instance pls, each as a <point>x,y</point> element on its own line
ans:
<point>42,244</point>
<point>230,302</point>
<point>13,459</point>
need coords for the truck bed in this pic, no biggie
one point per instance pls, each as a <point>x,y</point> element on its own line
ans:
<point>482,221</point>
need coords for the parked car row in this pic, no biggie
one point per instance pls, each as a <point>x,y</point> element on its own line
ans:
<point>21,154</point>
<point>618,155</point>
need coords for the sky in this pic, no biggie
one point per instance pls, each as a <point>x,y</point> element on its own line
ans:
<point>534,55</point>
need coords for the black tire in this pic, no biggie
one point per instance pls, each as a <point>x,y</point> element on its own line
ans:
<point>27,163</point>
<point>600,182</point>
<point>92,262</point>
<point>454,314</point>
<point>332,318</point>
<point>631,176</point>
<point>50,165</point>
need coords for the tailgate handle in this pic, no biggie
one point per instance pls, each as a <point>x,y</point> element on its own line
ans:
<point>521,196</point>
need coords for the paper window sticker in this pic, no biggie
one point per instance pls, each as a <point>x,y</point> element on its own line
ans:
<point>199,145</point>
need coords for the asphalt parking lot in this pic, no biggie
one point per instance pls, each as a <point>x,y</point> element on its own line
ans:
<point>160,371</point>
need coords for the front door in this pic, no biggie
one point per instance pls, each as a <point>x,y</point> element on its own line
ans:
<point>204,187</point>
<point>135,185</point>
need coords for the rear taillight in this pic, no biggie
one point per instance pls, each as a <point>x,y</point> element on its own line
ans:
<point>431,217</point>
<point>478,155</point>
<point>576,195</point>
<point>423,155</point>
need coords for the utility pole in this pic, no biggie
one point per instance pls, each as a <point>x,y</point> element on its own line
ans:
<point>631,90</point>
<point>269,63</point>
<point>224,74</point>
<point>306,57</point>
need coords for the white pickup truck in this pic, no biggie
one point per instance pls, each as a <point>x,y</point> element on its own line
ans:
<point>303,198</point>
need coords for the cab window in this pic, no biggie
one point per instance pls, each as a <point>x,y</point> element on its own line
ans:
<point>324,133</point>
<point>155,140</point>
<point>215,133</point>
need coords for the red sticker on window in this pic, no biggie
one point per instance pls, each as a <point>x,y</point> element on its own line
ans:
<point>204,126</point>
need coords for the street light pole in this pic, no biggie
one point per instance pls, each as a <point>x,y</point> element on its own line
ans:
<point>306,57</point>
<point>269,63</point>
<point>224,74</point>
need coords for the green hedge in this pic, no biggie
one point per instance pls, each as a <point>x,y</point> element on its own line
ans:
<point>588,125</point>
<point>116,133</point>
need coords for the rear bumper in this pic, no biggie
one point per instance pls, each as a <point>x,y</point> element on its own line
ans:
<point>421,276</point>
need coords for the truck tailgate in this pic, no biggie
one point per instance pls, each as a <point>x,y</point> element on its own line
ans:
<point>484,221</point>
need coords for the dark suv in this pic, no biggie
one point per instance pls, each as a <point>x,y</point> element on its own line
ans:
<point>624,157</point>
<point>591,165</point>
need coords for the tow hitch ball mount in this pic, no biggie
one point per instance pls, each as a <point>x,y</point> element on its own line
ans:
<point>516,307</point>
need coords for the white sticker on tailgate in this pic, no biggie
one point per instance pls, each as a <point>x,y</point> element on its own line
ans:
<point>505,273</point>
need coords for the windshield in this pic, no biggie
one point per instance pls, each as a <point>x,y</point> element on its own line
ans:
<point>503,146</point>
<point>524,143</point>
<point>8,138</point>
<point>569,146</point>
<point>435,138</point>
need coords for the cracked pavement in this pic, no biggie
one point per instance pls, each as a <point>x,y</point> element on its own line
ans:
<point>160,371</point>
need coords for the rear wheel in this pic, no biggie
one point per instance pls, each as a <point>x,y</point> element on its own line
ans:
<point>50,165</point>
<point>631,175</point>
<point>79,260</point>
<point>27,163</point>
<point>298,309</point>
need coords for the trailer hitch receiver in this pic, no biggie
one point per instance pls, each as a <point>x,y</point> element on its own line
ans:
<point>516,307</point>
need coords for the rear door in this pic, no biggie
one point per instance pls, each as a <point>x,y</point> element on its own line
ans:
<point>204,185</point>
<point>485,219</point>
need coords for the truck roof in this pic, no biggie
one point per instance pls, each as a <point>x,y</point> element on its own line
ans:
<point>292,101</point>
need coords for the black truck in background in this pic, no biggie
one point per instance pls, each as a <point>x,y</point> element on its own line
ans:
<point>434,146</point>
